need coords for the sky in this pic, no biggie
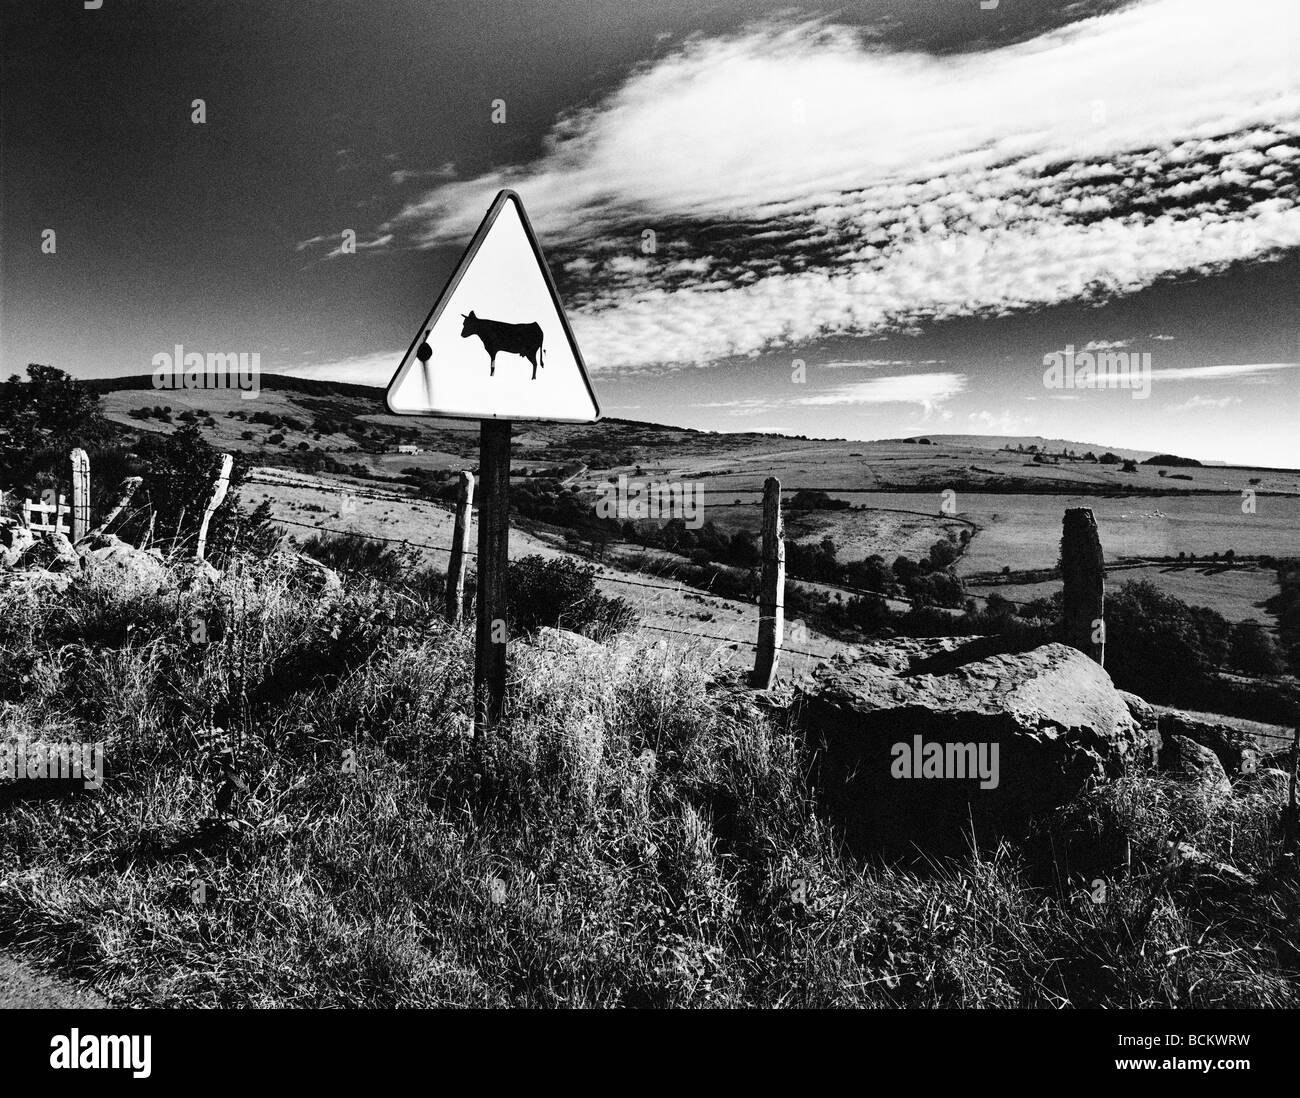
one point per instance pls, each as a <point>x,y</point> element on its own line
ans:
<point>868,221</point>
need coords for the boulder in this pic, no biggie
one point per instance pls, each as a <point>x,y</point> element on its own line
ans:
<point>1185,758</point>
<point>15,541</point>
<point>309,573</point>
<point>196,575</point>
<point>919,740</point>
<point>37,581</point>
<point>1228,743</point>
<point>566,642</point>
<point>51,551</point>
<point>1147,718</point>
<point>111,556</point>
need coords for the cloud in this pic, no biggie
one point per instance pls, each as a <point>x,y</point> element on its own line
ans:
<point>874,363</point>
<point>337,240</point>
<point>406,175</point>
<point>750,406</point>
<point>927,390</point>
<point>1205,402</point>
<point>1220,373</point>
<point>836,112</point>
<point>803,182</point>
<point>1005,423</point>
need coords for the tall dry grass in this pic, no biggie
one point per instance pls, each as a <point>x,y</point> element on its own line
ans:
<point>639,833</point>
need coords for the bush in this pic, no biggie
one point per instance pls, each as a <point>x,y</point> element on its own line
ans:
<point>360,556</point>
<point>1156,644</point>
<point>1254,651</point>
<point>561,592</point>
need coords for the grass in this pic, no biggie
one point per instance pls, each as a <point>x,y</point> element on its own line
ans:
<point>639,833</point>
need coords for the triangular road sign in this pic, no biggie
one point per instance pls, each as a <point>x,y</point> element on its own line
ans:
<point>497,344</point>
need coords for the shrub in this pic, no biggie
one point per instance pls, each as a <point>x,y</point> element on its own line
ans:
<point>360,556</point>
<point>562,592</point>
<point>1254,651</point>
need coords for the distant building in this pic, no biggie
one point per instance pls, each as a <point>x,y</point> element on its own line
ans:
<point>408,449</point>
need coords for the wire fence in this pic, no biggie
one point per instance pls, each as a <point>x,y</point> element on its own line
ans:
<point>989,599</point>
<point>679,586</point>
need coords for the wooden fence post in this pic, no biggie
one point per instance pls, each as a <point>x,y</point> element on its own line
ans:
<point>771,604</point>
<point>1291,820</point>
<point>493,560</point>
<point>219,489</point>
<point>459,539</point>
<point>80,494</point>
<point>1083,577</point>
<point>128,490</point>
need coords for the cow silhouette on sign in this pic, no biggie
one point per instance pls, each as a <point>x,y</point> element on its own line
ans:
<point>524,340</point>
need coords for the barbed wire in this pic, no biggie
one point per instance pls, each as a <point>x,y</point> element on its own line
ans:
<point>835,585</point>
<point>784,649</point>
<point>677,588</point>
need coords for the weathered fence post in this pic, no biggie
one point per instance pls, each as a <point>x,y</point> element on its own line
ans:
<point>219,489</point>
<point>1083,577</point>
<point>1291,820</point>
<point>80,494</point>
<point>490,631</point>
<point>771,599</point>
<point>459,539</point>
<point>128,490</point>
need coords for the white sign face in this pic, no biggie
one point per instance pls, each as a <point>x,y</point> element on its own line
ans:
<point>497,344</point>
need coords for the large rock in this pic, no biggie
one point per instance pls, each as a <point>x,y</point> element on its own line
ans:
<point>196,576</point>
<point>308,573</point>
<point>1230,745</point>
<point>1043,724</point>
<point>52,552</point>
<point>111,556</point>
<point>15,540</point>
<point>36,581</point>
<point>1195,763</point>
<point>566,642</point>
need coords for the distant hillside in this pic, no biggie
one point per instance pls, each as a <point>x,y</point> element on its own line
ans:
<point>309,386</point>
<point>1054,445</point>
<point>337,416</point>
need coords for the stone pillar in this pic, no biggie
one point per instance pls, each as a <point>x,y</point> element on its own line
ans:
<point>1083,578</point>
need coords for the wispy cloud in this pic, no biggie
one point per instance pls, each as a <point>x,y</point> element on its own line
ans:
<point>876,363</point>
<point>408,175</point>
<point>1220,373</point>
<point>1205,402</point>
<point>927,390</point>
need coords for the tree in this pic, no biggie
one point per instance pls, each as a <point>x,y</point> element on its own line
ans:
<point>943,553</point>
<point>1254,651</point>
<point>179,471</point>
<point>40,420</point>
